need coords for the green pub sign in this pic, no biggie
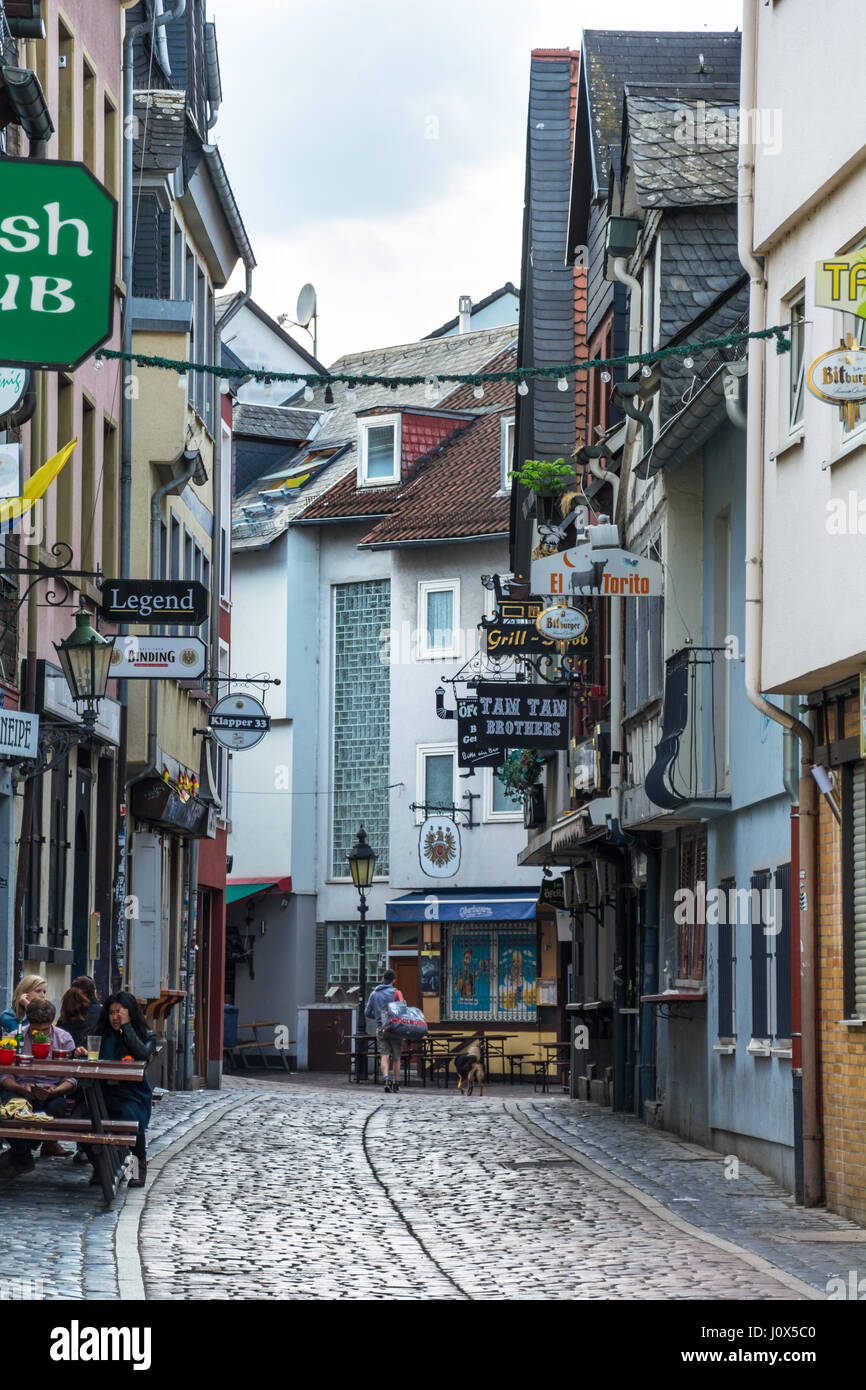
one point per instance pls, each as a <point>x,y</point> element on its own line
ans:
<point>58,232</point>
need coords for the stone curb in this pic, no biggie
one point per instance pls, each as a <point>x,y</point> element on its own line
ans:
<point>130,1278</point>
<point>790,1281</point>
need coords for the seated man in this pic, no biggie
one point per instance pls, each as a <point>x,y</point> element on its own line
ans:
<point>44,1093</point>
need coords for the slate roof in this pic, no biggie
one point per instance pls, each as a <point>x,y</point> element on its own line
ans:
<point>699,262</point>
<point>159,130</point>
<point>275,421</point>
<point>448,327</point>
<point>682,153</point>
<point>465,352</point>
<point>614,59</point>
<point>727,314</point>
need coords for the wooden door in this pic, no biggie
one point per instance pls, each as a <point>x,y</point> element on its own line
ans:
<point>406,970</point>
<point>326,1038</point>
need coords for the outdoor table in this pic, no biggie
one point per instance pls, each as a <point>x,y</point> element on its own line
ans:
<point>91,1076</point>
<point>443,1056</point>
<point>553,1050</point>
<point>497,1052</point>
<point>360,1047</point>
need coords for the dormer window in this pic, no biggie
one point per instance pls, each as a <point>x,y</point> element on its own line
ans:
<point>379,450</point>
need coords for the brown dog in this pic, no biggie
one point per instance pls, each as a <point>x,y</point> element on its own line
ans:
<point>470,1068</point>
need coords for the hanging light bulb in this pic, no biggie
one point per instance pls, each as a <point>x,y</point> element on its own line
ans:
<point>329,395</point>
<point>605,376</point>
<point>646,370</point>
<point>98,364</point>
<point>688,363</point>
<point>562,384</point>
<point>478,393</point>
<point>350,388</point>
<point>308,392</point>
<point>431,389</point>
<point>523,388</point>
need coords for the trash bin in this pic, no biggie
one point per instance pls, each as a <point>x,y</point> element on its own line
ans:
<point>230,1025</point>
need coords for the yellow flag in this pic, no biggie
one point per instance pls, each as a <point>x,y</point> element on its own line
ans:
<point>37,486</point>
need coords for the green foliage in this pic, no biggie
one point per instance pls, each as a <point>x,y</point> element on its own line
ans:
<point>539,475</point>
<point>520,771</point>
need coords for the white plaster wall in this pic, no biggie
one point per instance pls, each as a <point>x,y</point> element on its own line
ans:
<point>814,580</point>
<point>258,346</point>
<point>809,76</point>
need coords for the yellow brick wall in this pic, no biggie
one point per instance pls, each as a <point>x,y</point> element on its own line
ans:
<point>842,1050</point>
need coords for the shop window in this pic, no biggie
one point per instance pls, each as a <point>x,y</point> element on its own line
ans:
<point>491,973</point>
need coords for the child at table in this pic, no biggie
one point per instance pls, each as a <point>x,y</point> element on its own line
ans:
<point>43,1093</point>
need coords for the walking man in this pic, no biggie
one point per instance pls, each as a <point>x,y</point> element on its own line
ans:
<point>390,1049</point>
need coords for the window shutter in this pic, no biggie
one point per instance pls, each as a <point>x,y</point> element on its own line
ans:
<point>697,968</point>
<point>687,880</point>
<point>655,649</point>
<point>858,789</point>
<point>760,1023</point>
<point>146,928</point>
<point>642,649</point>
<point>630,653</point>
<point>783,951</point>
<point>725,966</point>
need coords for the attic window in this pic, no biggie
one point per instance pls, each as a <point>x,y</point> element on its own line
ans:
<point>379,440</point>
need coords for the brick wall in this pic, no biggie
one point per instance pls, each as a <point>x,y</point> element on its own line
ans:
<point>842,1050</point>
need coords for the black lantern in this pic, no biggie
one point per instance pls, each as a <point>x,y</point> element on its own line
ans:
<point>362,862</point>
<point>86,661</point>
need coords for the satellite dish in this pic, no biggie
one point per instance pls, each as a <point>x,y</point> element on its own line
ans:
<point>306,305</point>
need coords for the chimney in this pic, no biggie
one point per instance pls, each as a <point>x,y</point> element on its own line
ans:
<point>464,313</point>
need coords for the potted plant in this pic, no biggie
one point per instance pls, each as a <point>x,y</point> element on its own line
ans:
<point>7,1051</point>
<point>41,1045</point>
<point>520,771</point>
<point>546,481</point>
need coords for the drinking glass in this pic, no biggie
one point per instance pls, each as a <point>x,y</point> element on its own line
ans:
<point>93,1048</point>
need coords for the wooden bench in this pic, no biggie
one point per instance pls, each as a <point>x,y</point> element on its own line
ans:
<point>72,1131</point>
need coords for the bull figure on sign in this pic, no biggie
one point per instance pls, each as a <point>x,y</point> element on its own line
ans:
<point>588,579</point>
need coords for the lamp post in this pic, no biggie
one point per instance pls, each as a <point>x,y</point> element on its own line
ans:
<point>86,661</point>
<point>362,862</point>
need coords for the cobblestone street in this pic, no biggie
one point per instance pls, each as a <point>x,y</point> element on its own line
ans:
<point>306,1189</point>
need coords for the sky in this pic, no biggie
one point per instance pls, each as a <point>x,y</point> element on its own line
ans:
<point>377,149</point>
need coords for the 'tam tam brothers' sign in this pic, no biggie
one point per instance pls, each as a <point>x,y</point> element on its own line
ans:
<point>58,233</point>
<point>523,716</point>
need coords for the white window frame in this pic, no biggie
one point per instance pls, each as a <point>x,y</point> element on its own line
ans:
<point>438,586</point>
<point>364,427</point>
<point>795,393</point>
<point>506,453</point>
<point>488,814</point>
<point>422,753</point>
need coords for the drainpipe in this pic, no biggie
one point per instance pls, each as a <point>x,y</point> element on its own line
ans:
<point>635,319</point>
<point>625,394</point>
<point>804,1065</point>
<point>649,979</point>
<point>605,475</point>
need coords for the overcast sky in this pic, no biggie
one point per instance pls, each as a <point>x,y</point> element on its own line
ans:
<point>377,149</point>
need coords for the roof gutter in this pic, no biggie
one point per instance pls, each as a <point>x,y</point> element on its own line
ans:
<point>433,540</point>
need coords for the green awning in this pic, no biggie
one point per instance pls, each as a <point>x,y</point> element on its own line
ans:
<point>236,891</point>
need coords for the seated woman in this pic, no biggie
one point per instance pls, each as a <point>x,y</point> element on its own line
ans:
<point>44,1093</point>
<point>125,1034</point>
<point>28,987</point>
<point>76,1015</point>
<point>88,987</point>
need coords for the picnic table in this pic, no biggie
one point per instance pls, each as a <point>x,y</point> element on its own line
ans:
<point>554,1054</point>
<point>257,1044</point>
<point>104,1135</point>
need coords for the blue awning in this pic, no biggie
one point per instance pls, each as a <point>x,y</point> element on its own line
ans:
<point>462,907</point>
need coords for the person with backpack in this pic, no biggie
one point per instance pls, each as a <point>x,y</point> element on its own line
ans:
<point>390,1049</point>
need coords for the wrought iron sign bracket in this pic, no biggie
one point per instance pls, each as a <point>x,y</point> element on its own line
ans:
<point>453,811</point>
<point>239,680</point>
<point>55,741</point>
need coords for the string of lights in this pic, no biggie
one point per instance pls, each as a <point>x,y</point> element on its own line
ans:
<point>520,376</point>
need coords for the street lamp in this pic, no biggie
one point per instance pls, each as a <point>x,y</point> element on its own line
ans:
<point>86,661</point>
<point>362,862</point>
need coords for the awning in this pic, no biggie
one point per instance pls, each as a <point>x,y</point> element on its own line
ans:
<point>245,887</point>
<point>463,907</point>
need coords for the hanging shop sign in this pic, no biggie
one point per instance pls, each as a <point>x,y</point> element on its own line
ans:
<point>439,847</point>
<point>605,571</point>
<point>10,472</point>
<point>515,630</point>
<point>14,382</point>
<point>472,751</point>
<point>239,722</point>
<point>19,734</point>
<point>175,601</point>
<point>840,283</point>
<point>552,893</point>
<point>863,714</point>
<point>158,658</point>
<point>563,624</point>
<point>57,260</point>
<point>838,376</point>
<point>523,716</point>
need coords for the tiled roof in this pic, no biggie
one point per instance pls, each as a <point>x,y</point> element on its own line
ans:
<point>159,130</point>
<point>275,421</point>
<point>613,59</point>
<point>507,288</point>
<point>683,154</point>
